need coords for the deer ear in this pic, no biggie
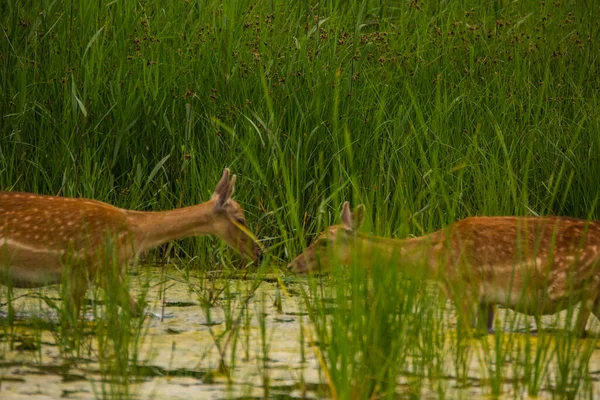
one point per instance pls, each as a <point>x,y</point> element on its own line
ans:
<point>358,216</point>
<point>231,187</point>
<point>347,216</point>
<point>224,189</point>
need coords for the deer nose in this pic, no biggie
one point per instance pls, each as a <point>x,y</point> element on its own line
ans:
<point>260,257</point>
<point>292,266</point>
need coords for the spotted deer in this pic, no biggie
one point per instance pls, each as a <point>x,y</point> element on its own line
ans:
<point>532,265</point>
<point>41,235</point>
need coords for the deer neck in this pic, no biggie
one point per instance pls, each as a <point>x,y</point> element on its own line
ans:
<point>411,256</point>
<point>155,228</point>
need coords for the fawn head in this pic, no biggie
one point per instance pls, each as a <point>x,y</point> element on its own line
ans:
<point>229,221</point>
<point>334,242</point>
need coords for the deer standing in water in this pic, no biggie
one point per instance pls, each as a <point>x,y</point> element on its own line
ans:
<point>40,236</point>
<point>533,265</point>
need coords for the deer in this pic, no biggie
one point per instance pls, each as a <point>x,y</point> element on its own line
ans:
<point>531,265</point>
<point>45,237</point>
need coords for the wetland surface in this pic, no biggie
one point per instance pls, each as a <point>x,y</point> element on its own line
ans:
<point>270,349</point>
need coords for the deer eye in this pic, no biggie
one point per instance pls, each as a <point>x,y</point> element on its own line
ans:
<point>322,243</point>
<point>240,221</point>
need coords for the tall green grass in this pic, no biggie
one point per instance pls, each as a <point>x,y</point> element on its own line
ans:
<point>427,112</point>
<point>381,335</point>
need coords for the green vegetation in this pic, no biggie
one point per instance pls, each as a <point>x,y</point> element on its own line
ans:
<point>425,111</point>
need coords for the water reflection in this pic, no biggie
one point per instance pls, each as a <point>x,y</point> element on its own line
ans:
<point>189,353</point>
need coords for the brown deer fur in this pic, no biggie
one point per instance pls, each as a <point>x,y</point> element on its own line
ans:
<point>533,265</point>
<point>42,235</point>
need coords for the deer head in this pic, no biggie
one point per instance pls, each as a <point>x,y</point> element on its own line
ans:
<point>335,242</point>
<point>229,222</point>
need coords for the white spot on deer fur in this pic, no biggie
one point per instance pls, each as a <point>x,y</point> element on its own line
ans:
<point>538,261</point>
<point>486,268</point>
<point>438,247</point>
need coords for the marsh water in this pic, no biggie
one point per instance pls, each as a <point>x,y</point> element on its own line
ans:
<point>187,349</point>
